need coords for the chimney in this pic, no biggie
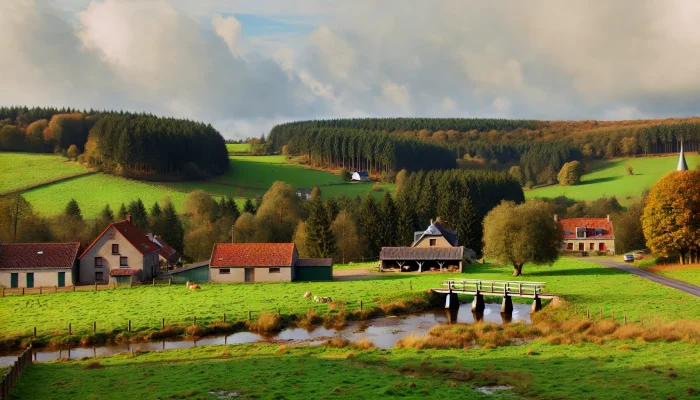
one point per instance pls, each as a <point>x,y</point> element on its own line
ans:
<point>556,218</point>
<point>608,217</point>
<point>431,221</point>
<point>128,218</point>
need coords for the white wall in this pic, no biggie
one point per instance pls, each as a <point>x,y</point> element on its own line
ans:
<point>262,274</point>
<point>42,277</point>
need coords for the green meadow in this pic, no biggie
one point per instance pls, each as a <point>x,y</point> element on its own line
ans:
<point>585,284</point>
<point>20,170</point>
<point>238,147</point>
<point>94,191</point>
<point>690,275</point>
<point>607,178</point>
<point>613,370</point>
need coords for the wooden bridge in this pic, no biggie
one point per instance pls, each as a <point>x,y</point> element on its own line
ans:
<point>480,288</point>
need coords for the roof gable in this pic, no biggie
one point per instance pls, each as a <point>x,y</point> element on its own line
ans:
<point>421,253</point>
<point>436,229</point>
<point>252,255</point>
<point>38,255</point>
<point>132,234</point>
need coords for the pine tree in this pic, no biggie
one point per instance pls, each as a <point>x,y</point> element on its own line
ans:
<point>172,231</point>
<point>106,214</point>
<point>139,217</point>
<point>332,208</point>
<point>73,210</point>
<point>388,220</point>
<point>155,210</point>
<point>122,212</point>
<point>466,225</point>
<point>249,207</point>
<point>370,225</point>
<point>320,242</point>
<point>231,208</point>
<point>406,221</point>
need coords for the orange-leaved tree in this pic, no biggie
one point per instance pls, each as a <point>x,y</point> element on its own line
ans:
<point>671,219</point>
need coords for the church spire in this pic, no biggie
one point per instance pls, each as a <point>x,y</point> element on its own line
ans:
<point>682,165</point>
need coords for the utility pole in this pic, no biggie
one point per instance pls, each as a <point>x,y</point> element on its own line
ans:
<point>231,233</point>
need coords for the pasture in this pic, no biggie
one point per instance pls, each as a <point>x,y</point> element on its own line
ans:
<point>20,170</point>
<point>685,273</point>
<point>94,191</point>
<point>606,178</point>
<point>582,283</point>
<point>613,370</point>
<point>238,147</point>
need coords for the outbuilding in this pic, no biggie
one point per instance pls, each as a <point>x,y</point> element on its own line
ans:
<point>314,269</point>
<point>28,265</point>
<point>361,176</point>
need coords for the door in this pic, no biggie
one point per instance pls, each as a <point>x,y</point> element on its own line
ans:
<point>14,280</point>
<point>30,279</point>
<point>601,246</point>
<point>61,279</point>
<point>580,246</point>
<point>250,274</point>
<point>592,246</point>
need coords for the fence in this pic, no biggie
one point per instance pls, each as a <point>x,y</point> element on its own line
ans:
<point>82,288</point>
<point>10,378</point>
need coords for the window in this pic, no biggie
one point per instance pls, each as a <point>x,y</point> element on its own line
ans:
<point>591,246</point>
<point>224,271</point>
<point>274,270</point>
<point>598,232</point>
<point>123,261</point>
<point>580,246</point>
<point>580,233</point>
<point>115,248</point>
<point>433,242</point>
<point>99,276</point>
<point>569,246</point>
<point>98,261</point>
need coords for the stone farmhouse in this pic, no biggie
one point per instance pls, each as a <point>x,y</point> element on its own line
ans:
<point>587,234</point>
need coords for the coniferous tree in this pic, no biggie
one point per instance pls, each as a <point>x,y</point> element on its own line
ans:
<point>172,231</point>
<point>107,214</point>
<point>249,207</point>
<point>405,222</point>
<point>155,210</point>
<point>332,208</point>
<point>122,212</point>
<point>73,210</point>
<point>465,225</point>
<point>389,216</point>
<point>370,225</point>
<point>320,242</point>
<point>139,216</point>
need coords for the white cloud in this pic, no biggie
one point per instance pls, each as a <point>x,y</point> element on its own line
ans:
<point>228,29</point>
<point>448,104</point>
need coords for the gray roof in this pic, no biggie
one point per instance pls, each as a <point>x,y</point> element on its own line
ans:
<point>682,165</point>
<point>437,229</point>
<point>421,253</point>
<point>186,268</point>
<point>314,262</point>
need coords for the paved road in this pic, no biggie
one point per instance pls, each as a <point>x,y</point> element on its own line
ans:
<point>663,280</point>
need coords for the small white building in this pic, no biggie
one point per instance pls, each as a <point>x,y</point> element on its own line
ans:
<point>361,176</point>
<point>28,265</point>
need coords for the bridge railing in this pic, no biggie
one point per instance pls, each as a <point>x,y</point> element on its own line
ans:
<point>490,286</point>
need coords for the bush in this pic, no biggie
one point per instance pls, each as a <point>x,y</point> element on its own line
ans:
<point>377,188</point>
<point>388,177</point>
<point>73,152</point>
<point>267,322</point>
<point>570,173</point>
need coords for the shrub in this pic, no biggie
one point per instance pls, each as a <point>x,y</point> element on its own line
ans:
<point>376,187</point>
<point>267,322</point>
<point>73,152</point>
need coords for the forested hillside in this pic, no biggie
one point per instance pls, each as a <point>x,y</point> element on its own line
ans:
<point>538,148</point>
<point>121,143</point>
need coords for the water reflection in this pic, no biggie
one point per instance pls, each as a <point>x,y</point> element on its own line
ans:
<point>383,332</point>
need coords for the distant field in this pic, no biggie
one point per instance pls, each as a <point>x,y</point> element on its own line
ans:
<point>609,177</point>
<point>94,191</point>
<point>238,147</point>
<point>685,273</point>
<point>18,170</point>
<point>249,176</point>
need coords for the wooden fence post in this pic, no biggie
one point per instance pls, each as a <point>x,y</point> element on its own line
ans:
<point>224,317</point>
<point>163,323</point>
<point>70,329</point>
<point>94,327</point>
<point>154,282</point>
<point>250,315</point>
<point>360,304</point>
<point>601,312</point>
<point>35,332</point>
<point>625,316</point>
<point>588,313</point>
<point>410,284</point>
<point>194,321</point>
<point>279,313</point>
<point>95,285</point>
<point>129,326</point>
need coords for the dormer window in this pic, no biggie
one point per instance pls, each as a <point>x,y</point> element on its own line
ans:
<point>598,232</point>
<point>580,233</point>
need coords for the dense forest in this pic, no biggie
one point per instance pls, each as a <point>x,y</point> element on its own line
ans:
<point>368,151</point>
<point>118,142</point>
<point>538,148</point>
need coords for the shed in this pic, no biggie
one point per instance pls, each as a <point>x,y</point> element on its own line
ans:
<point>197,272</point>
<point>421,259</point>
<point>314,269</point>
<point>362,176</point>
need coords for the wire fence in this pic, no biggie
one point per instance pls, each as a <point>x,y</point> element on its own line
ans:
<point>9,379</point>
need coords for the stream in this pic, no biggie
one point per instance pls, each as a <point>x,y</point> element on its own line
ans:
<point>383,332</point>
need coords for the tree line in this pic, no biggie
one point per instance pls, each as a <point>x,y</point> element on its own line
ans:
<point>118,142</point>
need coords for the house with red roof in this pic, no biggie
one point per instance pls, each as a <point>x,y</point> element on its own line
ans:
<point>28,265</point>
<point>265,262</point>
<point>587,234</point>
<point>167,255</point>
<point>120,254</point>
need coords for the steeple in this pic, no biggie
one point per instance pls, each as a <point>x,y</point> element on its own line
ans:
<point>682,165</point>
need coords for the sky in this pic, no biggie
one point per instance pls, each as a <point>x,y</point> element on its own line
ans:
<point>244,66</point>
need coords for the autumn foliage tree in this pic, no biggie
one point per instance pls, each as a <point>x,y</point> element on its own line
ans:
<point>671,219</point>
<point>570,173</point>
<point>518,234</point>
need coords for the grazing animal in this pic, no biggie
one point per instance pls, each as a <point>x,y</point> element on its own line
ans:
<point>322,299</point>
<point>307,295</point>
<point>194,286</point>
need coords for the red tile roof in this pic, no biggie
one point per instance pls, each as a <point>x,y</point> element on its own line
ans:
<point>252,255</point>
<point>132,234</point>
<point>314,262</point>
<point>591,224</point>
<point>123,272</point>
<point>38,255</point>
<point>166,251</point>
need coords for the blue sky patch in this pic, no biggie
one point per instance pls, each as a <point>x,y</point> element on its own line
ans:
<point>258,25</point>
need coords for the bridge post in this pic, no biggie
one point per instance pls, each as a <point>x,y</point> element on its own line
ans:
<point>536,304</point>
<point>478,305</point>
<point>507,305</point>
<point>452,300</point>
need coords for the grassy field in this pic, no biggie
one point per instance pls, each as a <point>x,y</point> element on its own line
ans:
<point>250,176</point>
<point>19,170</point>
<point>609,177</point>
<point>583,283</point>
<point>614,370</point>
<point>238,147</point>
<point>94,191</point>
<point>685,273</point>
